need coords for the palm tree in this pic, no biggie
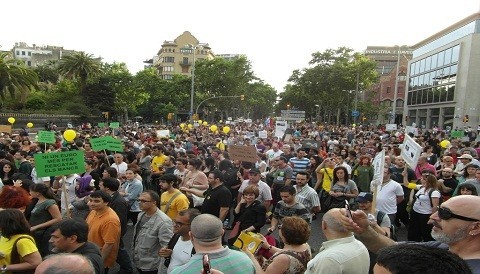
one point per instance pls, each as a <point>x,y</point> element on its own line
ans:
<point>15,76</point>
<point>81,66</point>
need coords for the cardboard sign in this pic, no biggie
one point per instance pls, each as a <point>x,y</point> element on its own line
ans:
<point>163,133</point>
<point>59,163</point>
<point>280,128</point>
<point>243,153</point>
<point>411,151</point>
<point>250,240</point>
<point>311,144</point>
<point>47,137</point>
<point>378,165</point>
<point>114,125</point>
<point>457,134</point>
<point>106,143</point>
<point>6,128</point>
<point>262,134</point>
<point>410,129</point>
<point>390,127</point>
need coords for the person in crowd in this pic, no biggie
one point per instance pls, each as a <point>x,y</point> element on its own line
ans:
<point>446,162</point>
<point>282,176</point>
<point>475,182</point>
<point>464,161</point>
<point>396,174</point>
<point>206,235</point>
<point>209,165</point>
<point>65,187</point>
<point>454,228</point>
<point>44,214</point>
<point>249,214</point>
<point>468,173</point>
<point>104,227</point>
<point>157,160</point>
<point>418,259</point>
<point>71,236</point>
<point>389,194</point>
<point>20,254</point>
<point>306,195</point>
<point>324,174</point>
<point>422,166</point>
<point>25,166</point>
<point>144,160</point>
<point>100,164</point>
<point>35,178</point>
<point>195,178</point>
<point>153,231</point>
<point>343,189</point>
<point>181,168</point>
<point>363,174</point>
<point>66,263</point>
<point>468,189</point>
<point>14,197</point>
<point>119,164</point>
<point>180,248</point>
<point>341,253</point>
<point>7,172</point>
<point>273,153</point>
<point>261,163</point>
<point>424,202</point>
<point>172,199</point>
<point>293,257</point>
<point>265,194</point>
<point>299,162</point>
<point>447,183</point>
<point>131,191</point>
<point>120,206</point>
<point>287,207</point>
<point>315,161</point>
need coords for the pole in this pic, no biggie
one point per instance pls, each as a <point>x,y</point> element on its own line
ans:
<point>356,96</point>
<point>192,91</point>
<point>394,105</point>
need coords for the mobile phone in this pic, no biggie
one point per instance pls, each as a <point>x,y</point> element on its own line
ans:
<point>347,209</point>
<point>206,265</point>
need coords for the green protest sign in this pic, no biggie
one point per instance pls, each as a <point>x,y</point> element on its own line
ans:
<point>59,163</point>
<point>457,133</point>
<point>101,125</point>
<point>99,144</point>
<point>114,125</point>
<point>114,144</point>
<point>47,137</point>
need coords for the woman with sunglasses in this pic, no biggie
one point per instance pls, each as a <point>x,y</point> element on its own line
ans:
<point>425,202</point>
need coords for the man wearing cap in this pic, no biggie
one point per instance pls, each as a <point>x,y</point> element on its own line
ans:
<point>265,195</point>
<point>464,160</point>
<point>172,200</point>
<point>206,233</point>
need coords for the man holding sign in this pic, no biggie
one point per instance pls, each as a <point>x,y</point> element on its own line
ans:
<point>389,194</point>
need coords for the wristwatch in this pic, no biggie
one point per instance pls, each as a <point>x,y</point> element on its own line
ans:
<point>3,269</point>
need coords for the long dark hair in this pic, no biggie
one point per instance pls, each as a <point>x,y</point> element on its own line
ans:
<point>44,190</point>
<point>335,178</point>
<point>12,222</point>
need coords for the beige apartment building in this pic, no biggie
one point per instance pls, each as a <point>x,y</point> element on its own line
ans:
<point>179,56</point>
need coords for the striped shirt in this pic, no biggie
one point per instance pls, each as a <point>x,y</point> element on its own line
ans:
<point>307,196</point>
<point>298,165</point>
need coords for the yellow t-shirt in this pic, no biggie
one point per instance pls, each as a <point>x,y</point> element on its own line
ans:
<point>220,145</point>
<point>178,204</point>
<point>25,247</point>
<point>327,178</point>
<point>157,161</point>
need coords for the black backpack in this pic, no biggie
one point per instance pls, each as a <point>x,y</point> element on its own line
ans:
<point>393,228</point>
<point>230,177</point>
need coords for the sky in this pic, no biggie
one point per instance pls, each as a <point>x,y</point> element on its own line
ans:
<point>276,36</point>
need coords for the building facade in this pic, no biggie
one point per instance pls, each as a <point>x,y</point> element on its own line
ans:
<point>444,78</point>
<point>34,55</point>
<point>179,56</point>
<point>386,91</point>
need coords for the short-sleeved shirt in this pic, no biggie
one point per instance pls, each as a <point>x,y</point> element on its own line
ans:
<point>105,229</point>
<point>157,161</point>
<point>215,198</point>
<point>387,197</point>
<point>40,213</point>
<point>282,210</point>
<point>422,202</point>
<point>178,204</point>
<point>280,175</point>
<point>307,196</point>
<point>265,194</point>
<point>24,247</point>
<point>327,178</point>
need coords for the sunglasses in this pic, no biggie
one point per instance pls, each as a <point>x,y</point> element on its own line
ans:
<point>446,214</point>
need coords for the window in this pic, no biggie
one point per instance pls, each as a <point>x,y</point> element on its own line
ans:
<point>168,69</point>
<point>185,61</point>
<point>399,103</point>
<point>388,89</point>
<point>29,63</point>
<point>23,53</point>
<point>29,53</point>
<point>169,59</point>
<point>168,77</point>
<point>17,52</point>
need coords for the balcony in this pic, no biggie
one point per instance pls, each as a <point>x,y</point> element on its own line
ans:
<point>185,63</point>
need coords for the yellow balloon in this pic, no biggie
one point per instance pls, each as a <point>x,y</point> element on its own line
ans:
<point>205,123</point>
<point>213,128</point>
<point>226,129</point>
<point>190,126</point>
<point>353,125</point>
<point>29,125</point>
<point>444,143</point>
<point>182,125</point>
<point>200,122</point>
<point>11,120</point>
<point>69,135</point>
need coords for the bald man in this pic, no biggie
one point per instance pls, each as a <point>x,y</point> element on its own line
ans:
<point>341,253</point>
<point>65,263</point>
<point>456,227</point>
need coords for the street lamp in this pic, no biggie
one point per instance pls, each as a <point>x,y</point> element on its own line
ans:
<point>318,112</point>
<point>192,90</point>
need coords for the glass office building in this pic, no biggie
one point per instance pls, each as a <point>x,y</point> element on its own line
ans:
<point>444,78</point>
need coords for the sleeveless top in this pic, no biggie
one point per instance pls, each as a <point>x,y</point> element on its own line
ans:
<point>298,261</point>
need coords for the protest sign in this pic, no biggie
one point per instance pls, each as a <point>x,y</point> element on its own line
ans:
<point>6,128</point>
<point>457,134</point>
<point>311,144</point>
<point>378,165</point>
<point>59,163</point>
<point>243,153</point>
<point>114,125</point>
<point>280,128</point>
<point>413,130</point>
<point>411,151</point>
<point>47,137</point>
<point>262,134</point>
<point>163,133</point>
<point>390,127</point>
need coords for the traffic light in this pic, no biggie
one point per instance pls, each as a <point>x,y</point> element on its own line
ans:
<point>465,119</point>
<point>170,116</point>
<point>364,118</point>
<point>242,97</point>
<point>105,114</point>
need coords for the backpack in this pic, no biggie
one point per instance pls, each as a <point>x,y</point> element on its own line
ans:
<point>230,177</point>
<point>393,228</point>
<point>440,199</point>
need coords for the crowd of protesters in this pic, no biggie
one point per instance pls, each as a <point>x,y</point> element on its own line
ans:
<point>186,195</point>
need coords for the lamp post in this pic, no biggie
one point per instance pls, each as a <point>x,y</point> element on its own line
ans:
<point>394,105</point>
<point>317,116</point>
<point>192,90</point>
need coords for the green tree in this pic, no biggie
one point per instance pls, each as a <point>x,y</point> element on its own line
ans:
<point>15,76</point>
<point>80,66</point>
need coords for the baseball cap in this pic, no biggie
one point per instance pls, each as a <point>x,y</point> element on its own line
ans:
<point>466,156</point>
<point>364,197</point>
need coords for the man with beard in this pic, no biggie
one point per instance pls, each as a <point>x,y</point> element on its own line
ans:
<point>456,227</point>
<point>402,214</point>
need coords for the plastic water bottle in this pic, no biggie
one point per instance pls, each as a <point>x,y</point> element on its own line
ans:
<point>226,222</point>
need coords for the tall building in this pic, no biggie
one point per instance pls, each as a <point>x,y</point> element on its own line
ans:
<point>392,81</point>
<point>179,56</point>
<point>35,55</point>
<point>443,78</point>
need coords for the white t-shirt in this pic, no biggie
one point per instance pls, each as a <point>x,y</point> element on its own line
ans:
<point>265,194</point>
<point>422,203</point>
<point>70,187</point>
<point>121,168</point>
<point>387,197</point>
<point>181,254</point>
<point>38,180</point>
